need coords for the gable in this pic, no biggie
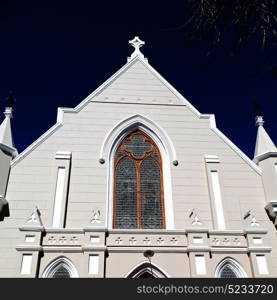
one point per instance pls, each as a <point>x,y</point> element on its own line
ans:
<point>137,82</point>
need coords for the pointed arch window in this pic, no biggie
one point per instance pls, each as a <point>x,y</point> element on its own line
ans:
<point>146,270</point>
<point>229,268</point>
<point>61,267</point>
<point>138,184</point>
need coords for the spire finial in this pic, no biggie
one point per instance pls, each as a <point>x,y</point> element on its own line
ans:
<point>137,43</point>
<point>259,121</point>
<point>8,112</point>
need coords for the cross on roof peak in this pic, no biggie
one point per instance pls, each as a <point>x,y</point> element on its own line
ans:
<point>137,43</point>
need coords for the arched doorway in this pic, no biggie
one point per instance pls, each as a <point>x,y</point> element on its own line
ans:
<point>146,270</point>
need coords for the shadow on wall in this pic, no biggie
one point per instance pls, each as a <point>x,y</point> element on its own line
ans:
<point>4,209</point>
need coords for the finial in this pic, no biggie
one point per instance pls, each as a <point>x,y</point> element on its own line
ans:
<point>259,121</point>
<point>136,42</point>
<point>8,112</point>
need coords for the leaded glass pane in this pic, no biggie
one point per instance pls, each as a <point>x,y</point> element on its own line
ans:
<point>119,154</point>
<point>137,146</point>
<point>151,194</point>
<point>146,274</point>
<point>61,272</point>
<point>126,215</point>
<point>227,272</point>
<point>156,155</point>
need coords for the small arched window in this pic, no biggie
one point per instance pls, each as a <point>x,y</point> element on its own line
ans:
<point>146,270</point>
<point>138,184</point>
<point>61,267</point>
<point>229,268</point>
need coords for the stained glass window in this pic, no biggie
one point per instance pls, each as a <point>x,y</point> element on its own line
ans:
<point>227,272</point>
<point>61,272</point>
<point>138,185</point>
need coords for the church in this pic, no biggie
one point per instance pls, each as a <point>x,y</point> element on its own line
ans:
<point>136,182</point>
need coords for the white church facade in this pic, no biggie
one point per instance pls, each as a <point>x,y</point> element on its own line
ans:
<point>136,182</point>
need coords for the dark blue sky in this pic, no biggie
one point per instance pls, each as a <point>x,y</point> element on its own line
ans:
<point>55,55</point>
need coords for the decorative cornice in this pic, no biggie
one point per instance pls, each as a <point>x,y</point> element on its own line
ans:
<point>146,231</point>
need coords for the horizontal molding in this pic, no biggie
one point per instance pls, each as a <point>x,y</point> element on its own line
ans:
<point>64,230</point>
<point>189,249</point>
<point>198,249</point>
<point>197,230</point>
<point>95,229</point>
<point>31,228</point>
<point>226,232</point>
<point>259,249</point>
<point>28,248</point>
<point>94,248</point>
<point>62,249</point>
<point>143,249</point>
<point>256,231</point>
<point>146,231</point>
<point>229,250</point>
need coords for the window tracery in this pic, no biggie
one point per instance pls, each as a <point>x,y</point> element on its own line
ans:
<point>138,184</point>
